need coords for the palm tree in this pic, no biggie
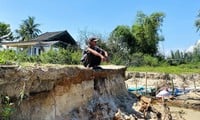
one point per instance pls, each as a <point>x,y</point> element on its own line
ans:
<point>197,22</point>
<point>28,29</point>
<point>5,32</point>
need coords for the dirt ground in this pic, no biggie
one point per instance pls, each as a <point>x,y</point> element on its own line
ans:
<point>182,113</point>
<point>183,107</point>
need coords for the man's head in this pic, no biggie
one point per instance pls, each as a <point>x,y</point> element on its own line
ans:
<point>92,41</point>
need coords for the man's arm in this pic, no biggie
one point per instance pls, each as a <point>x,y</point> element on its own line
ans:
<point>105,55</point>
<point>95,52</point>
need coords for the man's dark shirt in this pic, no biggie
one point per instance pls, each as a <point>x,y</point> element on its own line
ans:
<point>92,60</point>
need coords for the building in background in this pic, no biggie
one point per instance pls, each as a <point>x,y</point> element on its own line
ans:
<point>42,43</point>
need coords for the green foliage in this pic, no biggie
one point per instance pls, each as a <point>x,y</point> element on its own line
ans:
<point>146,31</point>
<point>135,46</point>
<point>179,69</point>
<point>136,60</point>
<point>53,56</point>
<point>6,56</point>
<point>61,56</point>
<point>150,61</point>
<point>191,65</point>
<point>103,44</point>
<point>5,32</point>
<point>28,29</point>
<point>197,22</point>
<point>11,56</point>
<point>196,54</point>
<point>121,38</point>
<point>118,59</point>
<point>178,57</point>
<point>22,56</point>
<point>6,108</point>
<point>76,56</point>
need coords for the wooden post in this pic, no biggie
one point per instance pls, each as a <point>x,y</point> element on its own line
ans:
<point>135,81</point>
<point>172,87</point>
<point>145,83</point>
<point>194,83</point>
<point>156,86</point>
<point>136,85</point>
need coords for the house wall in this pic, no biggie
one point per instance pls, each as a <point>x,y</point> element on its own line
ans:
<point>32,50</point>
<point>37,50</point>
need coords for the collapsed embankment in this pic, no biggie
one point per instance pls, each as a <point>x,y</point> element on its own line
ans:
<point>60,92</point>
<point>186,86</point>
<point>153,79</point>
<point>72,92</point>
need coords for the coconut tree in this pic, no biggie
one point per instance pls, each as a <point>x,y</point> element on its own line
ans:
<point>5,32</point>
<point>28,29</point>
<point>197,22</point>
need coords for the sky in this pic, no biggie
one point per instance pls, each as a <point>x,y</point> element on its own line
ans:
<point>103,16</point>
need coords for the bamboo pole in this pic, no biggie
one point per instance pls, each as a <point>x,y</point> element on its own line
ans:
<point>194,81</point>
<point>145,83</point>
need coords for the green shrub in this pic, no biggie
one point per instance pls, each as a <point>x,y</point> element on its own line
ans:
<point>61,56</point>
<point>150,61</point>
<point>136,59</point>
<point>21,56</point>
<point>53,56</point>
<point>76,56</point>
<point>7,56</point>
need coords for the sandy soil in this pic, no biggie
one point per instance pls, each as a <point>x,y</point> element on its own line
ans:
<point>182,113</point>
<point>191,100</point>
